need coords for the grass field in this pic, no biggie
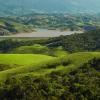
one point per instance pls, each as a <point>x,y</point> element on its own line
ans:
<point>37,64</point>
<point>23,59</point>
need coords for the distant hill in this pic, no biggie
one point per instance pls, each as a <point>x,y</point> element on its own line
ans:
<point>89,41</point>
<point>19,7</point>
<point>29,23</point>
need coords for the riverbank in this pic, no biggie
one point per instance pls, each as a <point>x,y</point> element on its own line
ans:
<point>44,33</point>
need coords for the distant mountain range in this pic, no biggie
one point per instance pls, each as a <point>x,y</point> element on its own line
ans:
<point>20,7</point>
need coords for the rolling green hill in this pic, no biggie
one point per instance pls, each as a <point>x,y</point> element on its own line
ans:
<point>39,69</point>
<point>62,68</point>
<point>36,48</point>
<point>62,22</point>
<point>88,41</point>
<point>14,64</point>
<point>19,63</point>
<point>12,26</point>
<point>22,59</point>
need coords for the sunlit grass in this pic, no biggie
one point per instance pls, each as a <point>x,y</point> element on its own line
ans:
<point>40,65</point>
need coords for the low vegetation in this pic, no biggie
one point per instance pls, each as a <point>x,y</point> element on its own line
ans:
<point>10,26</point>
<point>63,22</point>
<point>49,77</point>
<point>63,68</point>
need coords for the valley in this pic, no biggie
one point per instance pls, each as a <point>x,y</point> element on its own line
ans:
<point>47,25</point>
<point>49,50</point>
<point>50,68</point>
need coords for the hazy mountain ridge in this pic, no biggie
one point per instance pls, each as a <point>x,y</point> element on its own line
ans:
<point>48,6</point>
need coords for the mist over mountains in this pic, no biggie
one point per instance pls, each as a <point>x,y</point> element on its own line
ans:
<point>19,7</point>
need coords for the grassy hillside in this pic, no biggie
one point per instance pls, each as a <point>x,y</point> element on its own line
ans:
<point>16,63</point>
<point>63,22</point>
<point>36,48</point>
<point>22,59</point>
<point>33,69</point>
<point>29,63</point>
<point>63,68</point>
<point>88,41</point>
<point>12,26</point>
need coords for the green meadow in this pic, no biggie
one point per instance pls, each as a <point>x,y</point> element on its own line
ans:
<point>38,64</point>
<point>23,59</point>
<point>62,68</point>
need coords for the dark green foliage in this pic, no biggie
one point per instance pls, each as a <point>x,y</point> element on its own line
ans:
<point>4,67</point>
<point>10,27</point>
<point>95,63</point>
<point>80,84</point>
<point>89,41</point>
<point>7,45</point>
